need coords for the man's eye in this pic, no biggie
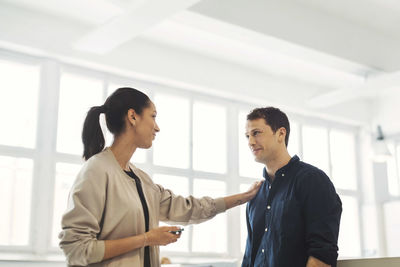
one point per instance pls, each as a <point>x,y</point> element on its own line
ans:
<point>255,133</point>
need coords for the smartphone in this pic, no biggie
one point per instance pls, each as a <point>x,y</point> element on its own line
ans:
<point>177,231</point>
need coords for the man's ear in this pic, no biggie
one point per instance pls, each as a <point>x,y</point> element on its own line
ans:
<point>282,134</point>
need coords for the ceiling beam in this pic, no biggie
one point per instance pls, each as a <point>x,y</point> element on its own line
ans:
<point>136,20</point>
<point>373,85</point>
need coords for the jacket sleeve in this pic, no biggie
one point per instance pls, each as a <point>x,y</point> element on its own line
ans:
<point>81,222</point>
<point>322,209</point>
<point>189,210</point>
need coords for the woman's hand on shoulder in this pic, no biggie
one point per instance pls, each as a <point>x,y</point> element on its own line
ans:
<point>253,190</point>
<point>241,198</point>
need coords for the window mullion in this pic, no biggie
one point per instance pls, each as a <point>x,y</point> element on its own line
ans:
<point>330,166</point>
<point>233,217</point>
<point>397,163</point>
<point>44,170</point>
<point>190,177</point>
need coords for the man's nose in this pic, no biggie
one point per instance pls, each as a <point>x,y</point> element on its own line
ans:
<point>251,141</point>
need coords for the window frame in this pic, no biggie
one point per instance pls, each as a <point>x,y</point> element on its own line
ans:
<point>45,156</point>
<point>396,158</point>
<point>24,152</point>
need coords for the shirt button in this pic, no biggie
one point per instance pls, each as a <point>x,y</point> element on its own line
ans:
<point>283,174</point>
<point>268,207</point>
<point>266,229</point>
<point>269,187</point>
<point>262,250</point>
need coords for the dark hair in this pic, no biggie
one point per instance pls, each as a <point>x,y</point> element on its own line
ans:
<point>115,109</point>
<point>274,117</point>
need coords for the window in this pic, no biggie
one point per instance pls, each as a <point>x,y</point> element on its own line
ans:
<point>15,200</point>
<point>209,137</point>
<point>205,237</point>
<point>19,86</point>
<point>65,176</point>
<point>77,95</point>
<point>343,157</point>
<point>349,235</point>
<point>171,146</point>
<point>392,227</point>
<point>189,156</point>
<point>333,151</point>
<point>393,168</point>
<point>315,147</point>
<point>294,142</point>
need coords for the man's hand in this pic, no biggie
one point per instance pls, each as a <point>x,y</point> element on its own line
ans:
<point>314,262</point>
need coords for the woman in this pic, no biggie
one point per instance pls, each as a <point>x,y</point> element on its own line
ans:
<point>114,208</point>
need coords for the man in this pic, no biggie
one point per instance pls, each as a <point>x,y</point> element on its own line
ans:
<point>294,219</point>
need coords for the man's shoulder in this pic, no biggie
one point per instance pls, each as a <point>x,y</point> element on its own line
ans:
<point>306,172</point>
<point>304,168</point>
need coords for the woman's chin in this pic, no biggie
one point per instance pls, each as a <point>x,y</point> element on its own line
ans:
<point>146,146</point>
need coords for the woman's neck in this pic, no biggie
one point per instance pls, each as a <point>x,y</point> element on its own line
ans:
<point>123,152</point>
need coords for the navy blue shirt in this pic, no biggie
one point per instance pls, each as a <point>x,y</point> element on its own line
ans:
<point>292,218</point>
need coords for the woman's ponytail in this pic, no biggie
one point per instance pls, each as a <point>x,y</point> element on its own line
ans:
<point>92,135</point>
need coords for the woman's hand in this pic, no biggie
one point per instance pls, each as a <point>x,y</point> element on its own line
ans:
<point>157,236</point>
<point>253,190</point>
<point>239,199</point>
<point>161,236</point>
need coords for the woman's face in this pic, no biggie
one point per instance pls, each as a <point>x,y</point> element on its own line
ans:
<point>146,127</point>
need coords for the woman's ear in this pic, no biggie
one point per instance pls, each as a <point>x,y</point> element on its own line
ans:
<point>131,116</point>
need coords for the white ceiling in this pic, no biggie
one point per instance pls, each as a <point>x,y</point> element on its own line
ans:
<point>320,53</point>
<point>378,15</point>
<point>94,12</point>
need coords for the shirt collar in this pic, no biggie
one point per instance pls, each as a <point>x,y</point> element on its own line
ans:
<point>291,162</point>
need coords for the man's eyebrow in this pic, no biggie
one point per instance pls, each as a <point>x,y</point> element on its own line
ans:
<point>252,130</point>
<point>256,129</point>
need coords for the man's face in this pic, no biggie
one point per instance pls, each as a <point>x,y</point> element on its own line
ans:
<point>263,142</point>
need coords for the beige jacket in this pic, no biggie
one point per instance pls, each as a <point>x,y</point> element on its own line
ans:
<point>104,205</point>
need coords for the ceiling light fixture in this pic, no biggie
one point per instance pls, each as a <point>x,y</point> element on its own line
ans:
<point>381,151</point>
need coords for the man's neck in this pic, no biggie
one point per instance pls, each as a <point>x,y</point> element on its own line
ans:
<point>275,164</point>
